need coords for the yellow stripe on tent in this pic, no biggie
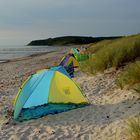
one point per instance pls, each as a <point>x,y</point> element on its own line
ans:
<point>75,62</point>
<point>64,90</point>
<point>41,70</point>
<point>62,58</point>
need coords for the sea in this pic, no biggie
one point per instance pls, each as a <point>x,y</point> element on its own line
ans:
<point>8,52</point>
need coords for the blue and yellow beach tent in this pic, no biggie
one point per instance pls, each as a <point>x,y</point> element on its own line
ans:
<point>70,70</point>
<point>79,56</point>
<point>68,59</point>
<point>60,69</point>
<point>47,92</point>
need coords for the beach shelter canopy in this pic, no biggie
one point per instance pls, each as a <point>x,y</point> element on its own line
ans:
<point>68,59</point>
<point>70,70</point>
<point>46,92</point>
<point>61,69</point>
<point>81,57</point>
<point>67,70</point>
<point>74,51</point>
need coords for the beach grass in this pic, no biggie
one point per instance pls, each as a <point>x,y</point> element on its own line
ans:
<point>94,47</point>
<point>113,53</point>
<point>130,76</point>
<point>133,130</point>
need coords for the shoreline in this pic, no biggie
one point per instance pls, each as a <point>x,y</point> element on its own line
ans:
<point>60,49</point>
<point>25,57</point>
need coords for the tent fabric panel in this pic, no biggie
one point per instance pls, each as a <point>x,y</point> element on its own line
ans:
<point>26,92</point>
<point>66,91</point>
<point>75,62</point>
<point>60,69</point>
<point>81,57</point>
<point>74,50</point>
<point>61,62</point>
<point>39,111</point>
<point>41,92</point>
<point>68,59</point>
<point>70,69</point>
<point>64,61</point>
<point>24,84</point>
<point>19,90</point>
<point>41,70</point>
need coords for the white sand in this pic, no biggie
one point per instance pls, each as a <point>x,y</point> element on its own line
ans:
<point>104,119</point>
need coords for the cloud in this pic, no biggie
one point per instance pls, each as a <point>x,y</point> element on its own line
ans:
<point>35,19</point>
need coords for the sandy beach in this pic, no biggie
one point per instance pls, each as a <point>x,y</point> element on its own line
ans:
<point>104,119</point>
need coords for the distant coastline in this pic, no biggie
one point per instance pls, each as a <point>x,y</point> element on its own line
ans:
<point>69,40</point>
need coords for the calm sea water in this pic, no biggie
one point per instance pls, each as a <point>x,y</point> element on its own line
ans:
<point>10,52</point>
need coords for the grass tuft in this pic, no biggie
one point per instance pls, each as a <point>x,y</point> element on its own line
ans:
<point>134,129</point>
<point>130,76</point>
<point>94,47</point>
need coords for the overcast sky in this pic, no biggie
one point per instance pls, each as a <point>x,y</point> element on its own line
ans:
<point>24,20</point>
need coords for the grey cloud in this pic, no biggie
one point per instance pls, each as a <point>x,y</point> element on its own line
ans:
<point>48,18</point>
